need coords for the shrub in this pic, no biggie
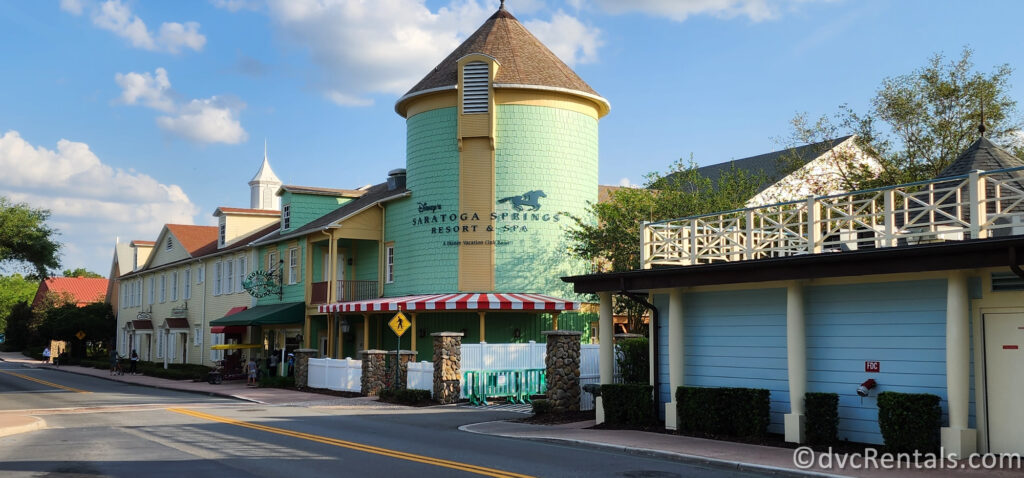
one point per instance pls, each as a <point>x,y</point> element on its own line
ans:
<point>275,381</point>
<point>822,415</point>
<point>542,407</point>
<point>910,421</point>
<point>173,372</point>
<point>739,412</point>
<point>405,396</point>
<point>628,404</point>
<point>633,359</point>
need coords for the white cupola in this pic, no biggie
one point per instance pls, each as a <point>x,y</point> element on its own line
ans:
<point>263,187</point>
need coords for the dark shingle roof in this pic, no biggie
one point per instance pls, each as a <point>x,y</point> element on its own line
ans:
<point>372,195</point>
<point>771,165</point>
<point>984,155</point>
<point>523,59</point>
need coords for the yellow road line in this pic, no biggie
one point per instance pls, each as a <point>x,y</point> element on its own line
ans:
<point>480,470</point>
<point>44,382</point>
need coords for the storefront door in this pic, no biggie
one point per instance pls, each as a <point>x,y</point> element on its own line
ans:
<point>1004,360</point>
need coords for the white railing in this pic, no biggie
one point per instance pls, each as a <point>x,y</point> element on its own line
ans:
<point>973,206</point>
<point>421,375</point>
<point>485,356</point>
<point>336,374</point>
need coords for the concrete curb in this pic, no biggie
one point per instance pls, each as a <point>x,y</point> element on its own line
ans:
<point>23,424</point>
<point>680,457</point>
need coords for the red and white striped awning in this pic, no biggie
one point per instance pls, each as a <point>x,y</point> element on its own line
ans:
<point>479,302</point>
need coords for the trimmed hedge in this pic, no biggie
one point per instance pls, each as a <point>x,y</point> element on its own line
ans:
<point>737,412</point>
<point>277,382</point>
<point>633,359</point>
<point>910,421</point>
<point>405,396</point>
<point>822,418</point>
<point>628,404</point>
<point>542,406</point>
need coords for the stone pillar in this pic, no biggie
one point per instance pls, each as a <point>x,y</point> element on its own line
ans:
<point>447,364</point>
<point>302,357</point>
<point>374,372</point>
<point>958,439</point>
<point>796,360</point>
<point>403,359</point>
<point>563,370</point>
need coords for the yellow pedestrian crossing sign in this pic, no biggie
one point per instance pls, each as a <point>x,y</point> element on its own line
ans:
<point>399,323</point>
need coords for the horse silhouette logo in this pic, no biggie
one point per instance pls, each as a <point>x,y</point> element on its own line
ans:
<point>528,199</point>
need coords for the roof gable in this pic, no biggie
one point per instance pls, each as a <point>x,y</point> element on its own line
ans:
<point>83,290</point>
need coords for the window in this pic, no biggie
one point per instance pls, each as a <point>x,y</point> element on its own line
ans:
<point>138,292</point>
<point>223,231</point>
<point>216,278</point>
<point>170,244</point>
<point>389,266</point>
<point>187,283</point>
<point>475,92</point>
<point>174,286</point>
<point>216,339</point>
<point>293,265</point>
<point>197,336</point>
<point>272,261</point>
<point>163,288</point>
<point>200,273</point>
<point>241,273</point>
<point>286,216</point>
<point>229,276</point>
<point>152,291</point>
<point>159,344</point>
<point>121,298</point>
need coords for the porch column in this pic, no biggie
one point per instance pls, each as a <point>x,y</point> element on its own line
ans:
<point>675,355</point>
<point>554,320</point>
<point>606,350</point>
<point>412,318</point>
<point>366,331</point>
<point>957,438</point>
<point>482,315</point>
<point>305,332</point>
<point>796,354</point>
<point>332,319</point>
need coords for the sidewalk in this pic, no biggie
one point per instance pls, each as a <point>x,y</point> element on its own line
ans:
<point>717,453</point>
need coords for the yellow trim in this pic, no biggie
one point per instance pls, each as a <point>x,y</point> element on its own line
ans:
<point>476,193</point>
<point>412,317</point>
<point>455,465</point>
<point>436,101</point>
<point>550,99</point>
<point>483,321</point>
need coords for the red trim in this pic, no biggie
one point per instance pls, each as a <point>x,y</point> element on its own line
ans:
<point>454,302</point>
<point>235,310</point>
<point>227,329</point>
<point>1010,347</point>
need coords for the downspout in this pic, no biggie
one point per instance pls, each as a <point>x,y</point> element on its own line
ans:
<point>652,332</point>
<point>381,260</point>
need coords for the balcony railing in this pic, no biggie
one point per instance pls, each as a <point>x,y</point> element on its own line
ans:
<point>973,206</point>
<point>346,291</point>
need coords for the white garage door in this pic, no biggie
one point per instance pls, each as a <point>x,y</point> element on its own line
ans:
<point>1004,361</point>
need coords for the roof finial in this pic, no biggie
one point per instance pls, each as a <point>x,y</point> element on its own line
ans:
<point>981,127</point>
<point>502,6</point>
<point>264,148</point>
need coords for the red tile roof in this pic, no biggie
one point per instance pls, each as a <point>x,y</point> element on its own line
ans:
<point>143,243</point>
<point>84,290</point>
<point>193,238</point>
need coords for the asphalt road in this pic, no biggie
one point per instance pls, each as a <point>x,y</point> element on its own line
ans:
<point>124,430</point>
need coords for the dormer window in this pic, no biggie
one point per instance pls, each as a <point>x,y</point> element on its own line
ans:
<point>286,216</point>
<point>170,244</point>
<point>222,232</point>
<point>475,91</point>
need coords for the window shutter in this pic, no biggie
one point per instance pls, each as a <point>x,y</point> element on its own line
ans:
<point>475,92</point>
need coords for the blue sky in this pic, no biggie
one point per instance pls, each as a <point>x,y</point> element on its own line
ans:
<point>122,115</point>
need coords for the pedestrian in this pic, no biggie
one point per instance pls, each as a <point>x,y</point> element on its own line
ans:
<point>135,363</point>
<point>250,369</point>
<point>291,365</point>
<point>113,360</point>
<point>46,355</point>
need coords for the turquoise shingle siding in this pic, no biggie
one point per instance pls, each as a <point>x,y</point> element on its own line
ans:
<point>367,254</point>
<point>901,324</point>
<point>305,208</point>
<point>422,264</point>
<point>291,292</point>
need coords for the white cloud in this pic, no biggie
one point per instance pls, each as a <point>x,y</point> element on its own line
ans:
<point>116,17</point>
<point>73,7</point>
<point>567,37</point>
<point>209,120</point>
<point>150,89</point>
<point>385,47</point>
<point>626,183</point>
<point>91,202</point>
<point>680,10</point>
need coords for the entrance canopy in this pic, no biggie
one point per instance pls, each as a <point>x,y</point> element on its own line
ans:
<point>478,302</point>
<point>275,314</point>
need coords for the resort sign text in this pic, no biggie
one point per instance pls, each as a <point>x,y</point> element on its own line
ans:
<point>521,212</point>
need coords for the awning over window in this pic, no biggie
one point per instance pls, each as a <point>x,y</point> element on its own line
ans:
<point>176,323</point>
<point>231,329</point>
<point>478,302</point>
<point>275,314</point>
<point>142,324</point>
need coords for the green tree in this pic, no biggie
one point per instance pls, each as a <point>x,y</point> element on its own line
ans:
<point>608,236</point>
<point>14,289</point>
<point>25,237</point>
<point>81,272</point>
<point>20,330</point>
<point>96,320</point>
<point>919,122</point>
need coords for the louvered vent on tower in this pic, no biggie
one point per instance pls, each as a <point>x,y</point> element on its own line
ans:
<point>474,88</point>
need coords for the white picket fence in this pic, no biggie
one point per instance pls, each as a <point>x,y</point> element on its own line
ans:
<point>485,356</point>
<point>336,374</point>
<point>421,375</point>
